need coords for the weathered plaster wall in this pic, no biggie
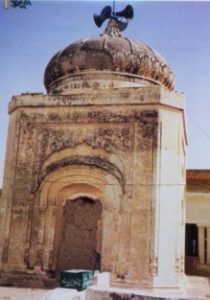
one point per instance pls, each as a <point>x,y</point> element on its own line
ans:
<point>169,214</point>
<point>198,208</point>
<point>113,145</point>
<point>78,249</point>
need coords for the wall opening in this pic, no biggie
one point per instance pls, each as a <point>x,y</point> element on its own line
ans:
<point>191,240</point>
<point>80,228</point>
<point>191,249</point>
<point>205,246</point>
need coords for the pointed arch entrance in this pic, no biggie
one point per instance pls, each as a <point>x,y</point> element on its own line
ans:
<point>74,188</point>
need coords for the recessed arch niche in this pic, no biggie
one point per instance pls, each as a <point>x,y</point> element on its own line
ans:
<point>66,184</point>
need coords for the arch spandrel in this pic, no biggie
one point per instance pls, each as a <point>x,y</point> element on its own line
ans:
<point>83,155</point>
<point>83,150</point>
<point>72,175</point>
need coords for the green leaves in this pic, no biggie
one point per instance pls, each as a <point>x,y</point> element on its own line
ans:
<point>20,3</point>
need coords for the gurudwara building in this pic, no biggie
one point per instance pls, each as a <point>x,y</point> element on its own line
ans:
<point>97,169</point>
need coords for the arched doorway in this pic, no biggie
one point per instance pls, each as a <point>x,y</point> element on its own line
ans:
<point>79,230</point>
<point>60,187</point>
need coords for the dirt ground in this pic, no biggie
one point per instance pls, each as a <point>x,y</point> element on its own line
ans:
<point>10,293</point>
<point>7,293</point>
<point>194,287</point>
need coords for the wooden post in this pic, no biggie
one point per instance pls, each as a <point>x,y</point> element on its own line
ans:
<point>208,245</point>
<point>201,244</point>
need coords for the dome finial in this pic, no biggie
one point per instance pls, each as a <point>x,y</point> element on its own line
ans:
<point>121,17</point>
<point>112,28</point>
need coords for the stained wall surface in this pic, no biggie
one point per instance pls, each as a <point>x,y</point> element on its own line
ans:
<point>78,248</point>
<point>122,147</point>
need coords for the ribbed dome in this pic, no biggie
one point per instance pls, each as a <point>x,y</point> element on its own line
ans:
<point>109,57</point>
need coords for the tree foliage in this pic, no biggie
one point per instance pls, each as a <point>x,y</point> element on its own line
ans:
<point>20,3</point>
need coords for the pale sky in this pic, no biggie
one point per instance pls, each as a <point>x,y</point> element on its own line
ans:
<point>179,31</point>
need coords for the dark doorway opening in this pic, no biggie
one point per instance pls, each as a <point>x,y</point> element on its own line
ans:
<point>191,249</point>
<point>191,240</point>
<point>78,246</point>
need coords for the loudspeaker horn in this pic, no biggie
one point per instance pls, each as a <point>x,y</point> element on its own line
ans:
<point>127,12</point>
<point>105,14</point>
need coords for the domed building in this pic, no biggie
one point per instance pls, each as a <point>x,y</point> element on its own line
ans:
<point>118,61</point>
<point>98,169</point>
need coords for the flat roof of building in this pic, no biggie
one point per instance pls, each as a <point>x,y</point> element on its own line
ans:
<point>198,180</point>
